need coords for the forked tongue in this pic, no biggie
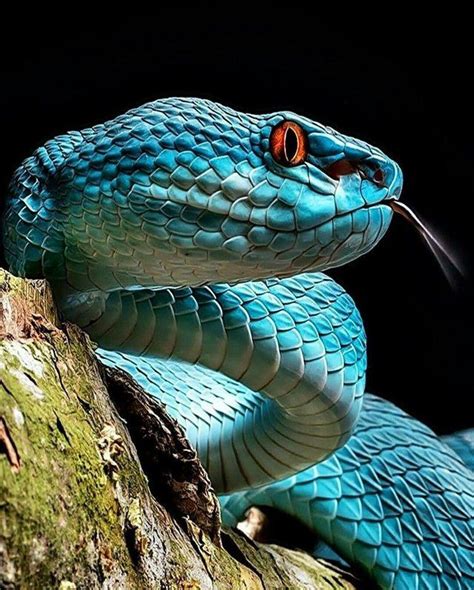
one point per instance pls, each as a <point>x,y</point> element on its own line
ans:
<point>449,264</point>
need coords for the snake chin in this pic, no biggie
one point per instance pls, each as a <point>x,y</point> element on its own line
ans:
<point>353,234</point>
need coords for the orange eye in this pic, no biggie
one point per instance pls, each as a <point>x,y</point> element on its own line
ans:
<point>289,144</point>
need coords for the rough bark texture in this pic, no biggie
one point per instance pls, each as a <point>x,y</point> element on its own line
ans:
<point>83,501</point>
<point>175,475</point>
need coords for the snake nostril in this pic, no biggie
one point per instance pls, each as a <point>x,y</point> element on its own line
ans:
<point>379,177</point>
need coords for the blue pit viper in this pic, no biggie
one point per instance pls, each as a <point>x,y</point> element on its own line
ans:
<point>189,240</point>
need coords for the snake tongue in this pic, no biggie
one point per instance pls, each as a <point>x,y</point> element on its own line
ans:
<point>445,258</point>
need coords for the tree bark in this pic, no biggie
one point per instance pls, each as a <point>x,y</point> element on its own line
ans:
<point>99,487</point>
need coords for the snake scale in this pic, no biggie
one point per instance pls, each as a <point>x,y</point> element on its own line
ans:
<point>189,240</point>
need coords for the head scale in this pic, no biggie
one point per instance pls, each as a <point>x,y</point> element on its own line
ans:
<point>187,192</point>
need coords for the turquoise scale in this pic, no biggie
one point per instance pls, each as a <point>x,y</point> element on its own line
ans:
<point>194,259</point>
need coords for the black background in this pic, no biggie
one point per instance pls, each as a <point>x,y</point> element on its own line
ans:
<point>397,81</point>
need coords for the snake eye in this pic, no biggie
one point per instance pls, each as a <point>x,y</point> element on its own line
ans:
<point>289,144</point>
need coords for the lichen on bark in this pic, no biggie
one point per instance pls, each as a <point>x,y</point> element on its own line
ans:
<point>76,510</point>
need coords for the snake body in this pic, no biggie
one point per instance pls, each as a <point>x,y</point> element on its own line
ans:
<point>192,251</point>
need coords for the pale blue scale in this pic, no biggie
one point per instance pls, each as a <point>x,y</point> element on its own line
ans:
<point>172,234</point>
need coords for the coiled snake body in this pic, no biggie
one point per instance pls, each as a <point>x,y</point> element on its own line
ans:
<point>188,239</point>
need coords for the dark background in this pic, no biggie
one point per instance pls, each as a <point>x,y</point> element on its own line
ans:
<point>397,81</point>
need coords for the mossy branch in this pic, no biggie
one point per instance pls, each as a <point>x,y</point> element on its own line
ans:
<point>98,486</point>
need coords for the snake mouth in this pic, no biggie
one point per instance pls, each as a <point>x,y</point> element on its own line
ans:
<point>445,258</point>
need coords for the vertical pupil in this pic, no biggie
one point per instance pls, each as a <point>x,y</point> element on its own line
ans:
<point>291,144</point>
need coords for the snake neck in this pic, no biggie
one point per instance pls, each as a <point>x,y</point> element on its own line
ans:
<point>33,238</point>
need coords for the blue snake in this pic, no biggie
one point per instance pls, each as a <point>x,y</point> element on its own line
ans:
<point>189,240</point>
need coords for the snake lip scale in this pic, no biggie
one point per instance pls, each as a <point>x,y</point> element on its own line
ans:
<point>190,241</point>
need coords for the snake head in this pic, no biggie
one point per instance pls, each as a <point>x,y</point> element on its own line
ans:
<point>329,190</point>
<point>247,197</point>
<point>189,192</point>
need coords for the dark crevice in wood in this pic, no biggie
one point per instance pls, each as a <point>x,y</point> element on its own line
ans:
<point>130,536</point>
<point>62,430</point>
<point>8,447</point>
<point>176,477</point>
<point>235,551</point>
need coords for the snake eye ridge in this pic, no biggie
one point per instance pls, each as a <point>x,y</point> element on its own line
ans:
<point>289,144</point>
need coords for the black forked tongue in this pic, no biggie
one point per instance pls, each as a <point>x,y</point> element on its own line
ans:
<point>448,263</point>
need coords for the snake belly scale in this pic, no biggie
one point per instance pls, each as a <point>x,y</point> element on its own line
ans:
<point>189,240</point>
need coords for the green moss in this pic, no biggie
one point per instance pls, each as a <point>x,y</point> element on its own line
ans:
<point>78,512</point>
<point>60,509</point>
<point>79,508</point>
